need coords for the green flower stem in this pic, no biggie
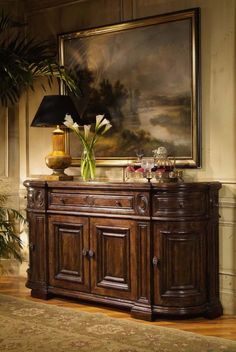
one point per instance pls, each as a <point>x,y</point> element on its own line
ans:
<point>88,140</point>
<point>88,165</point>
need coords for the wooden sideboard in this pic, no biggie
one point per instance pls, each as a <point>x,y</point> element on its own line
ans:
<point>151,248</point>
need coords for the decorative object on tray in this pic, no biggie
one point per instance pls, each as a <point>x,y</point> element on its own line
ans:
<point>147,164</point>
<point>88,140</point>
<point>159,168</point>
<point>164,166</point>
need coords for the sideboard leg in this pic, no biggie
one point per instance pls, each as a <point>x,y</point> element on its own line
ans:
<point>214,311</point>
<point>41,294</point>
<point>142,312</point>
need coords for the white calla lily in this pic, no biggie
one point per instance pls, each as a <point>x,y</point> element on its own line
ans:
<point>104,122</point>
<point>67,124</point>
<point>107,127</point>
<point>88,140</point>
<point>86,131</point>
<point>99,119</point>
<point>68,121</point>
<point>75,127</point>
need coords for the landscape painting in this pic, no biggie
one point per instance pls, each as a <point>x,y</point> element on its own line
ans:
<point>144,76</point>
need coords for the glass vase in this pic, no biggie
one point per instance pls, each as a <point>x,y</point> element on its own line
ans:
<point>88,165</point>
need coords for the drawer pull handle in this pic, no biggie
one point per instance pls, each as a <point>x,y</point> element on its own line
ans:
<point>91,253</point>
<point>118,203</point>
<point>181,205</point>
<point>85,252</point>
<point>155,261</point>
<point>90,200</point>
<point>62,200</point>
<point>32,246</point>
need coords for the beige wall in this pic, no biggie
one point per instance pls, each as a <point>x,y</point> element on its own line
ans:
<point>47,18</point>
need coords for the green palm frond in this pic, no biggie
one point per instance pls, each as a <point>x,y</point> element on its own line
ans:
<point>10,246</point>
<point>22,62</point>
<point>3,199</point>
<point>7,22</point>
<point>10,242</point>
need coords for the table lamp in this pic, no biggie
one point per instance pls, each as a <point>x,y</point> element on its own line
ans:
<point>51,112</point>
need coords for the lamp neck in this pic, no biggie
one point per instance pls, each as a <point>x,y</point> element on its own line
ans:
<point>58,140</point>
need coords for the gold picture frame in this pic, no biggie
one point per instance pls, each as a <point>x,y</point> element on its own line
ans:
<point>145,76</point>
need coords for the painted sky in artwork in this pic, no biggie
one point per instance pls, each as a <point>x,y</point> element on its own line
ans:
<point>153,63</point>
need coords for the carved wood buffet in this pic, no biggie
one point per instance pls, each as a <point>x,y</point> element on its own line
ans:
<point>151,248</point>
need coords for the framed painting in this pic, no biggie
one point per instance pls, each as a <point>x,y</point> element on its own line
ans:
<point>144,76</point>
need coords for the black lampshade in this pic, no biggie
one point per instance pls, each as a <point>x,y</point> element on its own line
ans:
<point>53,109</point>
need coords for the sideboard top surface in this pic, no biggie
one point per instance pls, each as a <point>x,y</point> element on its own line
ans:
<point>144,186</point>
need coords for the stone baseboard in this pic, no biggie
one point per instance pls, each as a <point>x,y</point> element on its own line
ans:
<point>228,292</point>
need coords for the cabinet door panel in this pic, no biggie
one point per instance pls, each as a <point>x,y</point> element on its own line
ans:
<point>68,237</point>
<point>180,273</point>
<point>37,249</point>
<point>113,267</point>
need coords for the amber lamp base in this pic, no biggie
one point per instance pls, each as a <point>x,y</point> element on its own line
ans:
<point>58,160</point>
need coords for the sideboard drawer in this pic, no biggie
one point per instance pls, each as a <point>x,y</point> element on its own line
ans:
<point>179,204</point>
<point>106,202</point>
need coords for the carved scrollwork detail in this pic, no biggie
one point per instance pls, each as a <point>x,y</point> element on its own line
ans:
<point>142,204</point>
<point>39,199</point>
<point>30,197</point>
<point>36,198</point>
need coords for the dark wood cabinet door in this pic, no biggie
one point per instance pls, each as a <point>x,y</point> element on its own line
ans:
<point>180,264</point>
<point>68,238</point>
<point>114,263</point>
<point>37,249</point>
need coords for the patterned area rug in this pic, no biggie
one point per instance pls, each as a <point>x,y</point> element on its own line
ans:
<point>38,327</point>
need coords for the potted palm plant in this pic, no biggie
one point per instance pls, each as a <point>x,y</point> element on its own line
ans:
<point>22,62</point>
<point>10,242</point>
